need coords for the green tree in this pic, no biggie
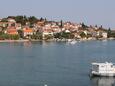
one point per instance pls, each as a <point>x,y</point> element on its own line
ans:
<point>84,26</point>
<point>20,19</point>
<point>14,37</point>
<point>37,36</point>
<point>96,26</point>
<point>57,35</point>
<point>47,37</point>
<point>21,34</point>
<point>65,35</point>
<point>83,35</point>
<point>4,20</point>
<point>41,19</point>
<point>61,24</point>
<point>32,20</point>
<point>109,32</point>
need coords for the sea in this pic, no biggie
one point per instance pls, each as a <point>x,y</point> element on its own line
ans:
<point>54,63</point>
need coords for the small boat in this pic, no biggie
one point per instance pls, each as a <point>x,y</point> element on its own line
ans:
<point>73,42</point>
<point>103,69</point>
<point>70,41</point>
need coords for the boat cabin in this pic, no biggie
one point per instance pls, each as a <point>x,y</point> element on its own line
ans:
<point>103,68</point>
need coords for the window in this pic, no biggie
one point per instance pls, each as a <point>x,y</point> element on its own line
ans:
<point>102,66</point>
<point>112,66</point>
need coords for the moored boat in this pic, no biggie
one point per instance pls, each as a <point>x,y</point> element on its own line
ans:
<point>70,41</point>
<point>103,69</point>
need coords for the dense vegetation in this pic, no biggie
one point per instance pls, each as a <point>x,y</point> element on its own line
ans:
<point>8,37</point>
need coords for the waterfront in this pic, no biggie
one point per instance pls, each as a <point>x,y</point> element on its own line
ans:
<point>53,63</point>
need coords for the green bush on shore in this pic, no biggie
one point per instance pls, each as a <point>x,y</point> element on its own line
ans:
<point>9,37</point>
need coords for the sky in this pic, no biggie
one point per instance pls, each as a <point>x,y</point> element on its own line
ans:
<point>91,12</point>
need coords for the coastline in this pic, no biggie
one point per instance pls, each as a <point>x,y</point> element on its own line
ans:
<point>3,41</point>
<point>52,40</point>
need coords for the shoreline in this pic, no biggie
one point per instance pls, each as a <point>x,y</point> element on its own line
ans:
<point>3,41</point>
<point>52,40</point>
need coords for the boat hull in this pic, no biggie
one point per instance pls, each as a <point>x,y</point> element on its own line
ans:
<point>103,74</point>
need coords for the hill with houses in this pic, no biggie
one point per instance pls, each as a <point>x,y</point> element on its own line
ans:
<point>23,27</point>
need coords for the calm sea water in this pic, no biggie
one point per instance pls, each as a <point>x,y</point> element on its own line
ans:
<point>53,63</point>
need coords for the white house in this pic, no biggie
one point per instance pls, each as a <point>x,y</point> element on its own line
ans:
<point>11,20</point>
<point>28,31</point>
<point>104,34</point>
<point>67,31</point>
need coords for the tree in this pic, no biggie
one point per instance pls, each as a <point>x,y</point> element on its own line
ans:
<point>101,26</point>
<point>21,19</point>
<point>7,36</point>
<point>46,37</point>
<point>36,36</point>
<point>84,26</point>
<point>20,32</point>
<point>65,35</point>
<point>61,24</point>
<point>57,35</point>
<point>25,20</point>
<point>45,20</point>
<point>13,17</point>
<point>32,20</point>
<point>109,32</point>
<point>4,20</point>
<point>83,35</point>
<point>4,36</point>
<point>41,19</point>
<point>96,26</point>
<point>14,37</point>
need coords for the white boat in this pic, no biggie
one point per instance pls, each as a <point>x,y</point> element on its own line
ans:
<point>70,41</point>
<point>103,69</point>
<point>73,42</point>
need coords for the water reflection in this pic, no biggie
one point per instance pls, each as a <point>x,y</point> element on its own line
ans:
<point>27,44</point>
<point>103,81</point>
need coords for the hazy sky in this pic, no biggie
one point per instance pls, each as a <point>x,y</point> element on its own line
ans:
<point>87,11</point>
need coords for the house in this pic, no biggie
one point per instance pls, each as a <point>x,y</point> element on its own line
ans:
<point>77,35</point>
<point>12,31</point>
<point>11,20</point>
<point>67,31</point>
<point>11,24</point>
<point>40,23</point>
<point>47,32</point>
<point>104,34</point>
<point>56,29</point>
<point>18,26</point>
<point>3,24</point>
<point>28,31</point>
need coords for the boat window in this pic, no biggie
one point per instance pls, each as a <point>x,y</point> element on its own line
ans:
<point>102,66</point>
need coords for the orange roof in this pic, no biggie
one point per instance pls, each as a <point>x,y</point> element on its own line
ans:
<point>12,31</point>
<point>27,30</point>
